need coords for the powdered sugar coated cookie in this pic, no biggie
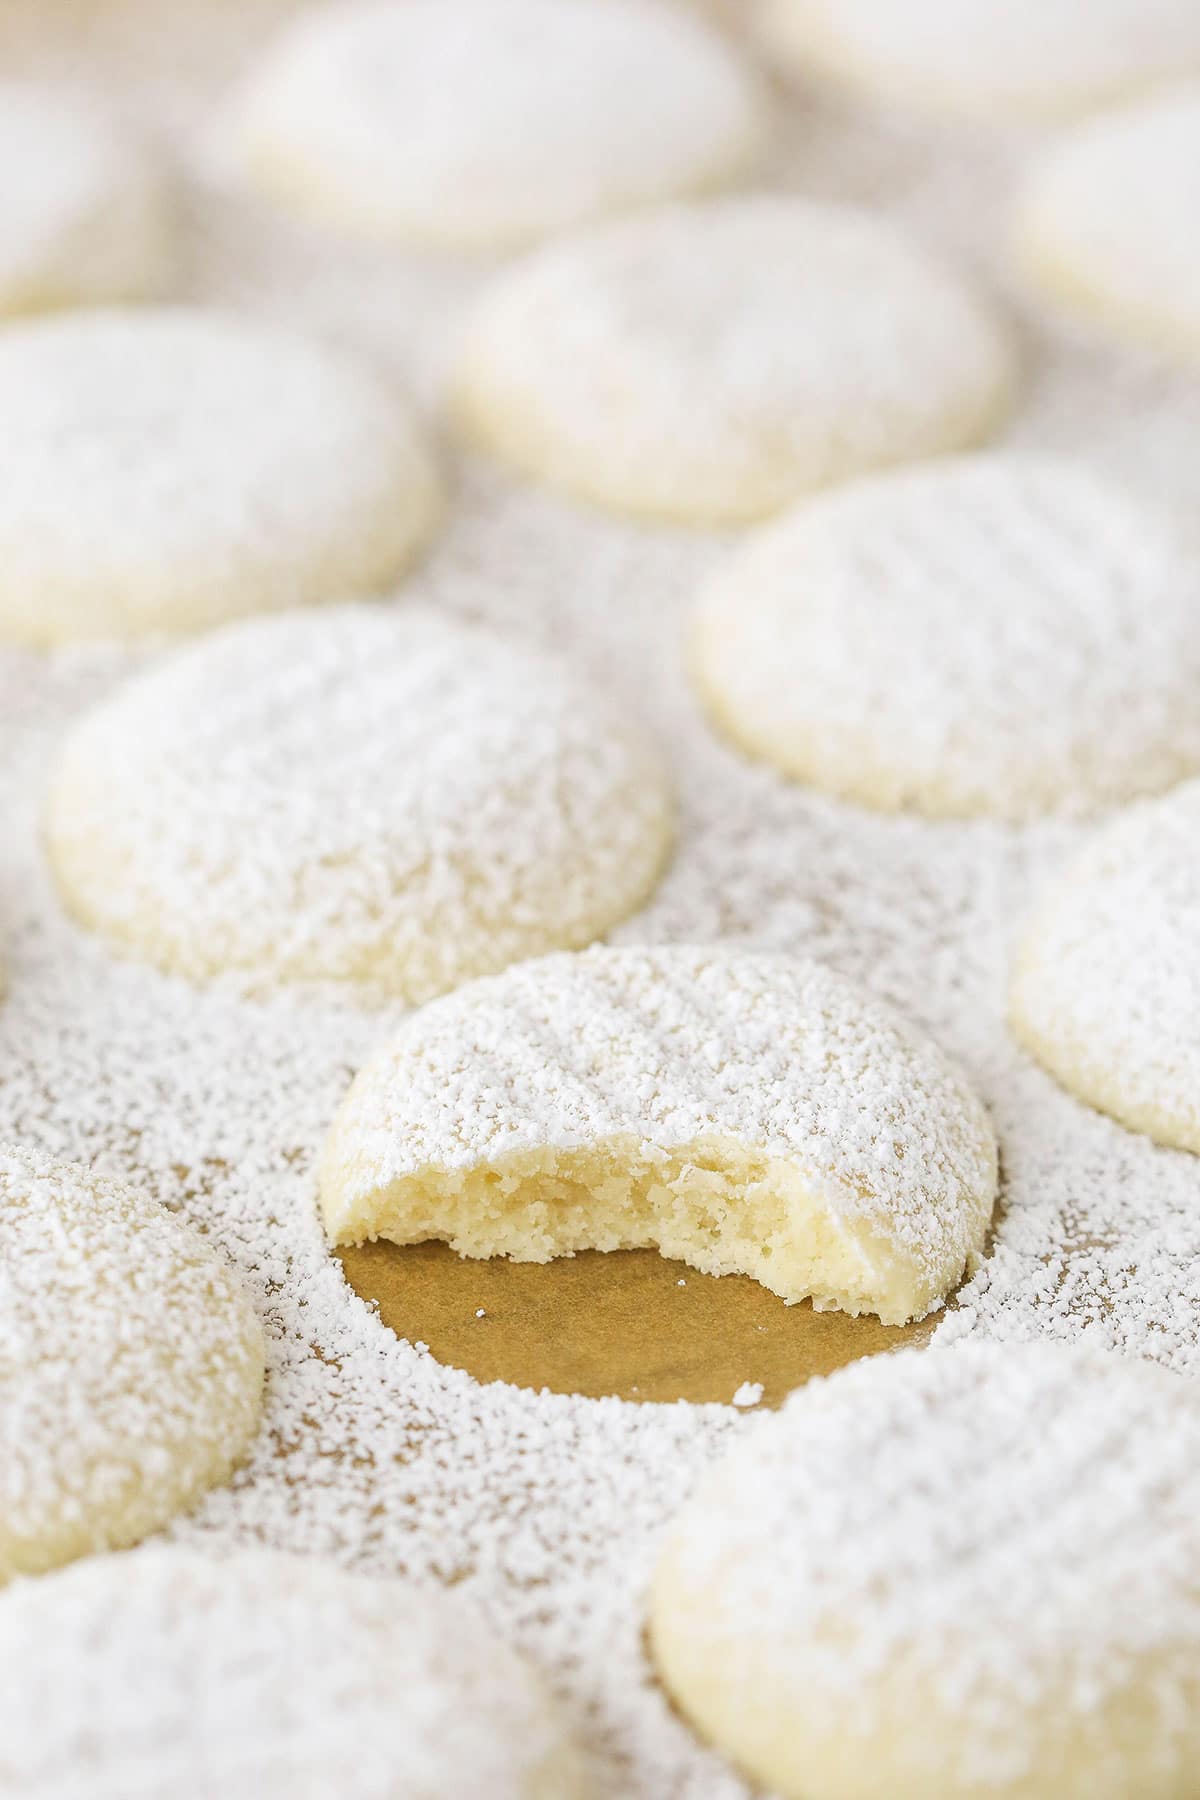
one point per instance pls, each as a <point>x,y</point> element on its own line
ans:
<point>163,470</point>
<point>992,57</point>
<point>258,1676</point>
<point>1003,634</point>
<point>744,1113</point>
<point>131,1366</point>
<point>968,1572</point>
<point>357,794</point>
<point>483,123</point>
<point>1108,224</point>
<point>85,211</point>
<point>1106,986</point>
<point>710,363</point>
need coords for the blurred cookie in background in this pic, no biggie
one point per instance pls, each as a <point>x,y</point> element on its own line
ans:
<point>86,207</point>
<point>1000,58</point>
<point>482,124</point>
<point>1109,227</point>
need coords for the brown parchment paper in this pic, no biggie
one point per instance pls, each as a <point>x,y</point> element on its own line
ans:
<point>625,1322</point>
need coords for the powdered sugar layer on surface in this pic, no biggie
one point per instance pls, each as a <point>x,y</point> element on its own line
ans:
<point>309,1671</point>
<point>547,1510</point>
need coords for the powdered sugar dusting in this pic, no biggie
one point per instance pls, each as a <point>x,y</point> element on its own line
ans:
<point>1106,989</point>
<point>544,1509</point>
<point>1104,223</point>
<point>164,469</point>
<point>686,1049</point>
<point>973,56</point>
<point>356,794</point>
<point>709,363</point>
<point>483,123</point>
<point>86,204</point>
<point>872,1559</point>
<point>1002,634</point>
<point>310,1671</point>
<point>111,1420</point>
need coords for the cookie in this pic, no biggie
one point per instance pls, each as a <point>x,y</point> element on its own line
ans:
<point>966,1572</point>
<point>131,1367</point>
<point>1107,225</point>
<point>987,58</point>
<point>163,470</point>
<point>1003,635</point>
<point>480,124</point>
<point>708,364</point>
<point>1105,989</point>
<point>85,210</point>
<point>358,794</point>
<point>259,1676</point>
<point>744,1113</point>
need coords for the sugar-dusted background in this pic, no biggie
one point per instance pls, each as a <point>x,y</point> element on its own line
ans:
<point>545,1508</point>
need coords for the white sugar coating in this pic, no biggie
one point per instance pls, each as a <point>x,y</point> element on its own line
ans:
<point>972,1572</point>
<point>258,1676</point>
<point>1004,634</point>
<point>1107,223</point>
<point>475,124</point>
<point>85,209</point>
<point>355,794</point>
<point>1005,58</point>
<point>164,469</point>
<point>710,363</point>
<point>1106,981</point>
<point>545,1510</point>
<point>131,1365</point>
<point>745,1113</point>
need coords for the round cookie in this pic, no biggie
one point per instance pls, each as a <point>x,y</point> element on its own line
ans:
<point>970,1572</point>
<point>1108,224</point>
<point>163,470</point>
<point>1004,634</point>
<point>131,1366</point>
<point>1105,990</point>
<point>259,1676</point>
<point>355,794</point>
<point>708,364</point>
<point>85,215</point>
<point>988,57</point>
<point>480,124</point>
<point>744,1113</point>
